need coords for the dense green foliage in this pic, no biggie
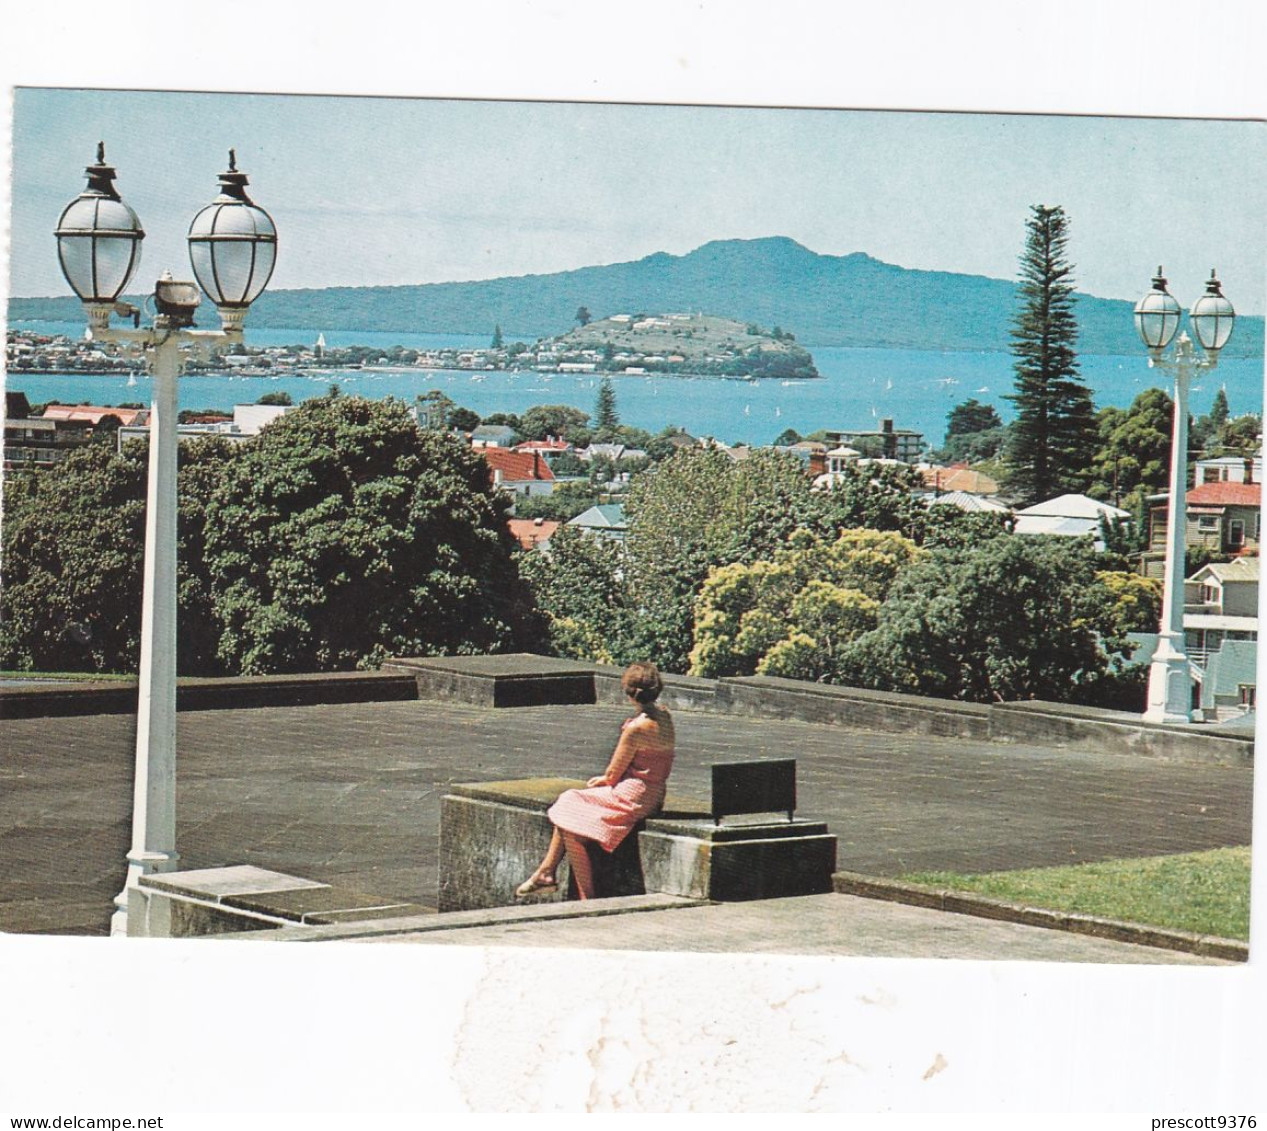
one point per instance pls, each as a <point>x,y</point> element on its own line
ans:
<point>579,587</point>
<point>1132,459</point>
<point>1053,437</point>
<point>341,534</point>
<point>1013,618</point>
<point>793,615</point>
<point>73,539</point>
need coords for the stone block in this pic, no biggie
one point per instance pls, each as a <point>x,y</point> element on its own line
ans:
<point>765,861</point>
<point>490,845</point>
<point>512,680</point>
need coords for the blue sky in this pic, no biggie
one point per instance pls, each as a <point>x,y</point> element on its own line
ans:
<point>391,191</point>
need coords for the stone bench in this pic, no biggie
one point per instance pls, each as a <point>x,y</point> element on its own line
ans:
<point>493,835</point>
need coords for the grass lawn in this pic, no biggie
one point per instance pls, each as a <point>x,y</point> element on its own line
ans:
<point>1206,892</point>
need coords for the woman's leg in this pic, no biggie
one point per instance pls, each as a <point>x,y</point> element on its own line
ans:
<point>579,859</point>
<point>550,862</point>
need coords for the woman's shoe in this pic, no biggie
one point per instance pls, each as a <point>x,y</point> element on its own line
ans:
<point>534,886</point>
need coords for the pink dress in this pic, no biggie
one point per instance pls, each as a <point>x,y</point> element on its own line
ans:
<point>608,813</point>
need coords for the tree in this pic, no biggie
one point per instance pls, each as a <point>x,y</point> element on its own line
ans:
<point>972,416</point>
<point>543,420</point>
<point>1132,459</point>
<point>463,419</point>
<point>1014,618</point>
<point>579,586</point>
<point>694,511</point>
<point>278,398</point>
<point>583,315</point>
<point>344,534</point>
<point>1053,437</point>
<point>787,438</point>
<point>1219,410</point>
<point>606,418</point>
<point>793,614</point>
<point>496,343</point>
<point>73,543</point>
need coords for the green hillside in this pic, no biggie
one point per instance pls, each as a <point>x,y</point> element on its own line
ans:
<point>851,300</point>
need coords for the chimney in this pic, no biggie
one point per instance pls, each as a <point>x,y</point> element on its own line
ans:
<point>890,440</point>
<point>536,464</point>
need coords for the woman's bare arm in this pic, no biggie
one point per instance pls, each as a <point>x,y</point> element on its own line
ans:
<point>620,759</point>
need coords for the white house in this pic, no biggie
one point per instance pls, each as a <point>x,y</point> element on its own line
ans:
<point>1069,516</point>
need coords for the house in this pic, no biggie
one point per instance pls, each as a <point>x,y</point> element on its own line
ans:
<point>521,473</point>
<point>1220,630</point>
<point>1220,604</point>
<point>895,443</point>
<point>1224,517</point>
<point>37,442</point>
<point>548,448</point>
<point>246,423</point>
<point>967,501</point>
<point>1069,516</point>
<point>92,414</point>
<point>493,436</point>
<point>607,520</point>
<point>957,477</point>
<point>1229,469</point>
<point>532,533</point>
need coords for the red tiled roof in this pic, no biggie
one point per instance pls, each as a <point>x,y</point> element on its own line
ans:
<point>531,531</point>
<point>517,466</point>
<point>959,477</point>
<point>1227,495</point>
<point>90,413</point>
<point>542,446</point>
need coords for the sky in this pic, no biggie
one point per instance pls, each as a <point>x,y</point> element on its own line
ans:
<point>369,190</point>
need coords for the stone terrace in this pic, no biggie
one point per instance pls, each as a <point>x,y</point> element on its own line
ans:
<point>350,794</point>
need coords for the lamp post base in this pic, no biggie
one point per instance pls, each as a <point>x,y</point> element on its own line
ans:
<point>139,864</point>
<point>1169,687</point>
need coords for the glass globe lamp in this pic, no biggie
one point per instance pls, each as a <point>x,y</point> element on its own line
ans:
<point>99,242</point>
<point>1212,317</point>
<point>1157,316</point>
<point>233,247</point>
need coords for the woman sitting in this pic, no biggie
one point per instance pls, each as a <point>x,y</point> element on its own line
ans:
<point>631,788</point>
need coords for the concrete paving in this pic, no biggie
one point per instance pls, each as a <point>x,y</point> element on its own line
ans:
<point>350,794</point>
<point>808,925</point>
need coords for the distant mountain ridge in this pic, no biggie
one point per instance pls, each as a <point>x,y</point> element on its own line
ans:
<point>825,300</point>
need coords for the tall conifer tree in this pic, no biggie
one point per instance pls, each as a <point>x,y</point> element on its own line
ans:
<point>1054,437</point>
<point>606,418</point>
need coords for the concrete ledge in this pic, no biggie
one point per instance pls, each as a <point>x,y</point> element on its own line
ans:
<point>1117,732</point>
<point>463,920</point>
<point>969,903</point>
<point>887,712</point>
<point>61,700</point>
<point>246,898</point>
<point>681,692</point>
<point>514,680</point>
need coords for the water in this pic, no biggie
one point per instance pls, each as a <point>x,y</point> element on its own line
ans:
<point>858,388</point>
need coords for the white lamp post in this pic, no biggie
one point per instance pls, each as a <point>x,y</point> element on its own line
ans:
<point>1157,319</point>
<point>232,247</point>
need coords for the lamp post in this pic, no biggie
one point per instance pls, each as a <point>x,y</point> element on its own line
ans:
<point>1157,318</point>
<point>232,247</point>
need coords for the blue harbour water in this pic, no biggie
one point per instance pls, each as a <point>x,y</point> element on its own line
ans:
<point>858,387</point>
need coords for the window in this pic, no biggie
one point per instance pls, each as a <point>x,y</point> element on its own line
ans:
<point>1208,523</point>
<point>1247,691</point>
<point>1236,533</point>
